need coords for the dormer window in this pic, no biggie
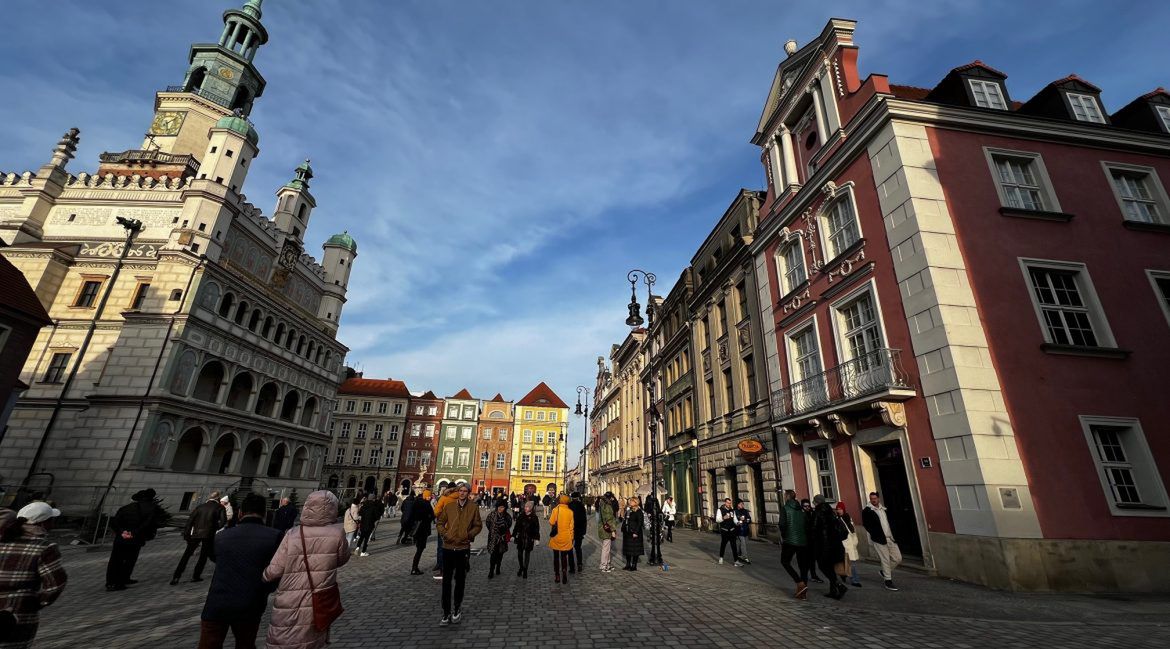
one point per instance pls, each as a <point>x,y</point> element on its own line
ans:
<point>1164,115</point>
<point>1085,108</point>
<point>987,94</point>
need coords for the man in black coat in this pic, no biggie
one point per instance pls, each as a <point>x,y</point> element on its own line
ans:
<point>238,594</point>
<point>285,516</point>
<point>199,532</point>
<point>580,524</point>
<point>370,513</point>
<point>133,525</point>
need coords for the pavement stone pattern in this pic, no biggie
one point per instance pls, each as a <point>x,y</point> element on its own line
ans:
<point>695,603</point>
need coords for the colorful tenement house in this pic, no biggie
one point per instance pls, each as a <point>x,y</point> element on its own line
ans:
<point>457,441</point>
<point>493,447</point>
<point>943,268</point>
<point>369,420</point>
<point>538,441</point>
<point>420,445</point>
<point>214,358</point>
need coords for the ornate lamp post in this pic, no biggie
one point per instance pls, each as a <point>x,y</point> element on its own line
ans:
<point>582,390</point>
<point>635,320</point>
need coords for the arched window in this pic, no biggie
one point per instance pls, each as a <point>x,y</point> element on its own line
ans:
<point>289,409</point>
<point>309,412</point>
<point>266,400</point>
<point>250,464</point>
<point>241,313</point>
<point>292,338</point>
<point>207,385</point>
<point>240,391</point>
<point>222,454</point>
<point>225,305</point>
<point>333,481</point>
<point>188,450</point>
<point>301,212</point>
<point>209,295</point>
<point>279,333</point>
<point>300,345</point>
<point>328,359</point>
<point>276,461</point>
<point>195,79</point>
<point>300,463</point>
<point>267,327</point>
<point>242,100</point>
<point>352,482</point>
<point>254,321</point>
<point>309,351</point>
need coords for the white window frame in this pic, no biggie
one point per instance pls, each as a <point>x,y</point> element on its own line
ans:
<point>487,433</point>
<point>361,430</point>
<point>790,337</point>
<point>793,242</point>
<point>1084,281</point>
<point>1163,113</point>
<point>450,432</point>
<point>844,193</point>
<point>393,435</point>
<point>989,89</point>
<point>350,406</point>
<point>411,457</point>
<point>525,462</point>
<point>1048,196</point>
<point>429,430</point>
<point>366,407</point>
<point>432,411</point>
<point>1094,116</point>
<point>538,463</point>
<point>527,437</point>
<point>465,433</point>
<point>339,456</point>
<point>838,326</point>
<point>501,460</point>
<point>345,426</point>
<point>502,434</point>
<point>448,457</point>
<point>813,472</point>
<point>484,459</point>
<point>398,408</point>
<point>540,437</point>
<point>469,413</point>
<point>464,457</point>
<point>381,407</point>
<point>1163,298</point>
<point>1141,462</point>
<point>1158,194</point>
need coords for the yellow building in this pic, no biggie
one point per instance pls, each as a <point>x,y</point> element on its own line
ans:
<point>538,443</point>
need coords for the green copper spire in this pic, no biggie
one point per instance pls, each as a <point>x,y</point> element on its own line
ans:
<point>304,172</point>
<point>343,240</point>
<point>252,8</point>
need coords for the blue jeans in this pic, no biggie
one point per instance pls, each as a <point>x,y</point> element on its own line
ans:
<point>439,551</point>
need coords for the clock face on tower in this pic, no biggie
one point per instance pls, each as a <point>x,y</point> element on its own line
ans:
<point>167,122</point>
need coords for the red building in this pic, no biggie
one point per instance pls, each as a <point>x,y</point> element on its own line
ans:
<point>420,445</point>
<point>966,302</point>
<point>21,319</point>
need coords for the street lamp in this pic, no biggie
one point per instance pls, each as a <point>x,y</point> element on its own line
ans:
<point>582,390</point>
<point>635,320</point>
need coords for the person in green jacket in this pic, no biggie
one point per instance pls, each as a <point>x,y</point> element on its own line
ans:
<point>794,535</point>
<point>607,528</point>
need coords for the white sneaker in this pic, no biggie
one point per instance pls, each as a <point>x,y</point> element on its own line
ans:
<point>720,560</point>
<point>738,564</point>
<point>457,616</point>
<point>365,554</point>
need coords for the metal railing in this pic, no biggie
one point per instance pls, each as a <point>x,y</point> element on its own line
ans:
<point>876,371</point>
<point>206,94</point>
<point>140,155</point>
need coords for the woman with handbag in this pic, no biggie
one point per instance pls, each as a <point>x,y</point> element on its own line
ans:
<point>633,541</point>
<point>607,526</point>
<point>526,534</point>
<point>307,598</point>
<point>850,544</point>
<point>421,515</point>
<point>351,524</point>
<point>560,539</point>
<point>499,527</point>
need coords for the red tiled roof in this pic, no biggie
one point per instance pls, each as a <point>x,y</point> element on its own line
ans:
<point>374,388</point>
<point>909,92</point>
<point>430,395</point>
<point>19,296</point>
<point>1073,77</point>
<point>462,394</point>
<point>499,398</point>
<point>1155,92</point>
<point>542,396</point>
<point>978,64</point>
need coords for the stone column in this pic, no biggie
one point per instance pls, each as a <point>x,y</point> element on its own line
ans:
<point>790,177</point>
<point>819,112</point>
<point>778,180</point>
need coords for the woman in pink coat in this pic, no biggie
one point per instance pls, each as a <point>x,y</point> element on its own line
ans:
<point>292,611</point>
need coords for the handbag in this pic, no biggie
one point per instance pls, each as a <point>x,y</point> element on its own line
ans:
<point>327,602</point>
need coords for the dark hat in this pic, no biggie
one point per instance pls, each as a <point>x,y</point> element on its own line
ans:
<point>144,495</point>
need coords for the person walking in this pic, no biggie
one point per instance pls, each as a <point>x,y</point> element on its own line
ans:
<point>794,542</point>
<point>877,523</point>
<point>421,515</point>
<point>526,534</point>
<point>560,539</point>
<point>368,515</point>
<point>580,526</point>
<point>352,521</point>
<point>448,494</point>
<point>607,527</point>
<point>668,512</point>
<point>285,516</point>
<point>725,519</point>
<point>404,526</point>
<point>807,507</point>
<point>828,533</point>
<point>199,533</point>
<point>229,514</point>
<point>238,594</point>
<point>305,562</point>
<point>633,534</point>
<point>743,530</point>
<point>31,574</point>
<point>133,525</point>
<point>850,545</point>
<point>457,523</point>
<point>499,528</point>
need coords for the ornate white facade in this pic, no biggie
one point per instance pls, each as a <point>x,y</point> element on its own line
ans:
<point>210,359</point>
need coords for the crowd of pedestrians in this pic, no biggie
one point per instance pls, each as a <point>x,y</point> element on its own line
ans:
<point>297,555</point>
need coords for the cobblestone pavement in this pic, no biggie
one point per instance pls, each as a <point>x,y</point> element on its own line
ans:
<point>696,603</point>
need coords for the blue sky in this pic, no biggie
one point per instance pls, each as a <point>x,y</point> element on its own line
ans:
<point>503,164</point>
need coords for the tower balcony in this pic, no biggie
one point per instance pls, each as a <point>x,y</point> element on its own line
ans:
<point>850,386</point>
<point>214,98</point>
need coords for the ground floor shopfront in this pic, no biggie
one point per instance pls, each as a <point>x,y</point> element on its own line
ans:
<point>726,471</point>
<point>680,479</point>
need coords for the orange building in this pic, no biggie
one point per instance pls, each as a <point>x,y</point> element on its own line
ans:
<point>493,448</point>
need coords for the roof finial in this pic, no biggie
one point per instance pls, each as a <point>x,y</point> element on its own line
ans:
<point>790,47</point>
<point>66,148</point>
<point>252,8</point>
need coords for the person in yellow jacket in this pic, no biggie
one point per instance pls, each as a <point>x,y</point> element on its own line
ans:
<point>561,542</point>
<point>445,496</point>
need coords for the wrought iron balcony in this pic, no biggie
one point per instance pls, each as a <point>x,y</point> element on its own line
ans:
<point>877,373</point>
<point>143,156</point>
<point>206,94</point>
